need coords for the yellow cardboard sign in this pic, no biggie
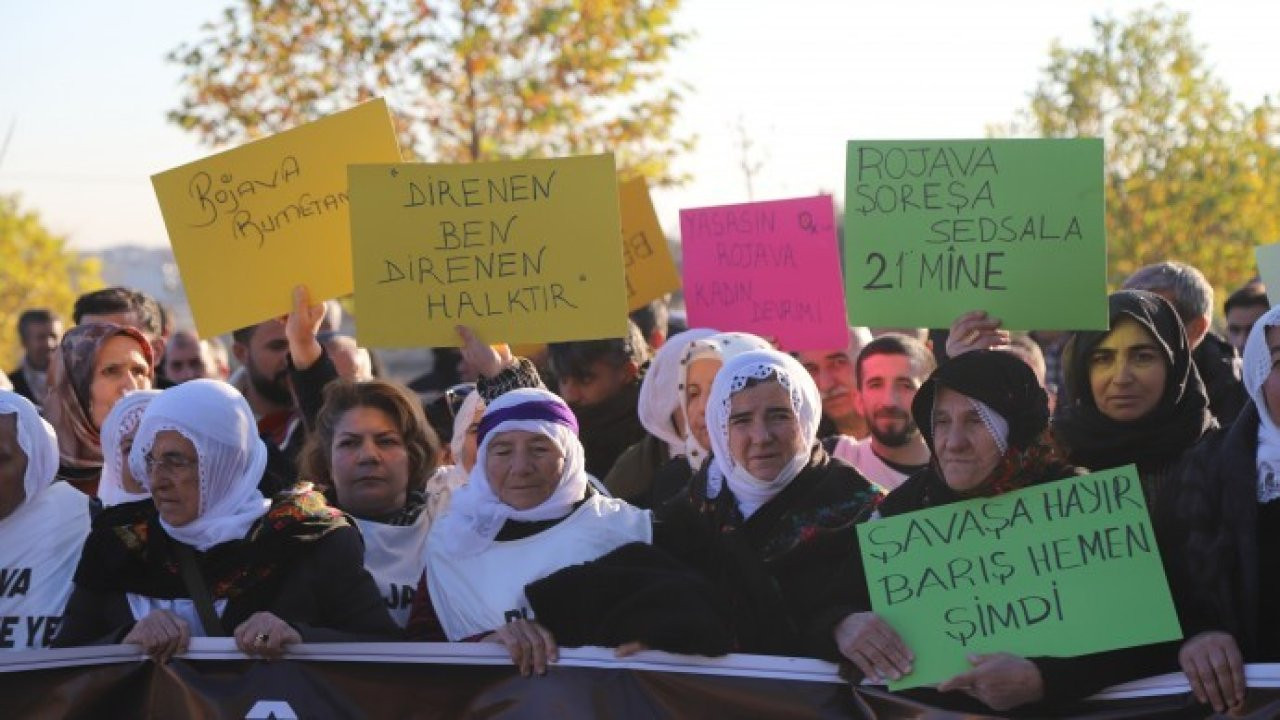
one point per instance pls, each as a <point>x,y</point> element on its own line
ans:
<point>248,224</point>
<point>521,251</point>
<point>651,272</point>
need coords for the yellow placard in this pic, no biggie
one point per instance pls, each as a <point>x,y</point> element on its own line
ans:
<point>651,272</point>
<point>521,251</point>
<point>248,224</point>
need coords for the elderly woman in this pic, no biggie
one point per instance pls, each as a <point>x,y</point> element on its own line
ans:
<point>1132,393</point>
<point>95,366</point>
<point>371,447</point>
<point>117,485</point>
<point>775,512</point>
<point>218,558</point>
<point>42,526</point>
<point>509,552</point>
<point>640,475</point>
<point>698,367</point>
<point>1224,539</point>
<point>987,430</point>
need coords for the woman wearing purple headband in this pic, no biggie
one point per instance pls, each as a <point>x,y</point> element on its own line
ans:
<point>506,562</point>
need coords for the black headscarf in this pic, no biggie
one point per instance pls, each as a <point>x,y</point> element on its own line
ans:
<point>1007,385</point>
<point>1155,440</point>
<point>997,378</point>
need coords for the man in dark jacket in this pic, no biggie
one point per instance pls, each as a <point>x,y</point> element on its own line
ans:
<point>39,330</point>
<point>1191,295</point>
<point>600,380</point>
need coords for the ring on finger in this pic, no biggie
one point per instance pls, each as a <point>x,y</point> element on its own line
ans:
<point>261,639</point>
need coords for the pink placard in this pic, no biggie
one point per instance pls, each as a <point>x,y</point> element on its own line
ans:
<point>769,268</point>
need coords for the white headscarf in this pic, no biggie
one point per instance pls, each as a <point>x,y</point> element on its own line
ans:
<point>461,423</point>
<point>37,440</point>
<point>752,492</point>
<point>123,420</point>
<point>475,513</point>
<point>723,347</point>
<point>660,393</point>
<point>218,422</point>
<point>1257,367</point>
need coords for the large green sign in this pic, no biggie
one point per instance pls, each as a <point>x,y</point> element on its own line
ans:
<point>1066,568</point>
<point>1013,227</point>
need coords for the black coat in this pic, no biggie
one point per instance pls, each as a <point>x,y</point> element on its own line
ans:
<point>778,566</point>
<point>1213,554</point>
<point>325,593</point>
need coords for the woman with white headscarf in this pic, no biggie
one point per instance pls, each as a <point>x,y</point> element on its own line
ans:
<point>218,558</point>
<point>652,470</point>
<point>117,485</point>
<point>42,526</point>
<point>1224,539</point>
<point>776,512</point>
<point>493,562</point>
<point>699,363</point>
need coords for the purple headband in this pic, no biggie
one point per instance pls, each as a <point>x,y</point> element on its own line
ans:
<point>533,410</point>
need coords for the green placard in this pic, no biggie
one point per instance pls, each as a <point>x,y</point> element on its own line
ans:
<point>1062,569</point>
<point>934,229</point>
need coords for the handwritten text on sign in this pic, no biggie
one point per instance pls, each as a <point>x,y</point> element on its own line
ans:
<point>1013,227</point>
<point>770,268</point>
<point>270,215</point>
<point>651,272</point>
<point>522,251</point>
<point>1065,568</point>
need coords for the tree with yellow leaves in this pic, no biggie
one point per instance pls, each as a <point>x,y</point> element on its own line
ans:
<point>37,270</point>
<point>467,80</point>
<point>1190,174</point>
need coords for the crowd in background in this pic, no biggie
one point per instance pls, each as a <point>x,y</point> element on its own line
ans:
<point>679,489</point>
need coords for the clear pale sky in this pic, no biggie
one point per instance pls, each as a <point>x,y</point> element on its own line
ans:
<point>85,87</point>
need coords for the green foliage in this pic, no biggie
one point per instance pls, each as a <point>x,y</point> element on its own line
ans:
<point>37,270</point>
<point>467,80</point>
<point>1190,174</point>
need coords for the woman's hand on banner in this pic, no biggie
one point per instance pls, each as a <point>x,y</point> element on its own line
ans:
<point>1000,680</point>
<point>161,634</point>
<point>874,646</point>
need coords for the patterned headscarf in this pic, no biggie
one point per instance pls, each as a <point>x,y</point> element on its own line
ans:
<point>68,404</point>
<point>761,365</point>
<point>120,423</point>
<point>722,347</point>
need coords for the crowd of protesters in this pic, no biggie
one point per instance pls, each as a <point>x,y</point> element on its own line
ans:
<point>676,489</point>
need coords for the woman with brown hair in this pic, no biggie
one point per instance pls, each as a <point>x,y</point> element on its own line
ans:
<point>371,449</point>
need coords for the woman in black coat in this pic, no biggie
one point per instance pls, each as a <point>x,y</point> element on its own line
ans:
<point>218,558</point>
<point>1224,535</point>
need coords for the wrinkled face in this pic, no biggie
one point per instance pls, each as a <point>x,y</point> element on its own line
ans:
<point>697,388</point>
<point>370,463</point>
<point>833,373</point>
<point>1240,321</point>
<point>524,468</point>
<point>174,470</point>
<point>966,451</point>
<point>1127,372</point>
<point>127,480</point>
<point>764,432</point>
<point>121,367</point>
<point>889,385</point>
<point>186,360</point>
<point>13,466</point>
<point>468,459</point>
<point>39,342</point>
<point>1271,386</point>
